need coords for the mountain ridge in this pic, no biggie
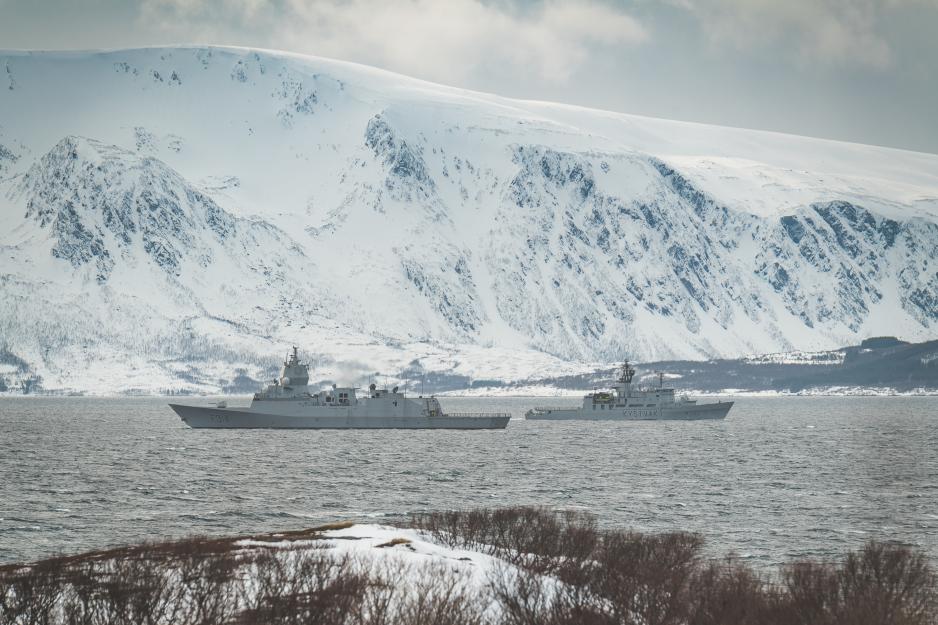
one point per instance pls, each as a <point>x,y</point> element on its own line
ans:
<point>379,222</point>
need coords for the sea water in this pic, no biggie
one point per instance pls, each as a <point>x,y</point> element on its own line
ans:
<point>780,478</point>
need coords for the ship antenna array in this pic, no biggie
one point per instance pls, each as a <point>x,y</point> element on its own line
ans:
<point>627,373</point>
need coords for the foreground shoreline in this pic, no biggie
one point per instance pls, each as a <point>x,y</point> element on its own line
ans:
<point>511,566</point>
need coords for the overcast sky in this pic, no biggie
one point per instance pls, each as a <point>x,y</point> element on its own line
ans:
<point>856,70</point>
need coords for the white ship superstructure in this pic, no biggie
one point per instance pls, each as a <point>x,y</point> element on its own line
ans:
<point>289,402</point>
<point>628,404</point>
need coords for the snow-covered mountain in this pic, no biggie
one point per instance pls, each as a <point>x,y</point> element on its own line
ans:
<point>172,216</point>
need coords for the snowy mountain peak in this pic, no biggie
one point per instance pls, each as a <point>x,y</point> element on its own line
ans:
<point>407,178</point>
<point>99,201</point>
<point>228,202</point>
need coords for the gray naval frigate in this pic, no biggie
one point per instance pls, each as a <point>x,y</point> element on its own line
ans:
<point>624,403</point>
<point>288,403</point>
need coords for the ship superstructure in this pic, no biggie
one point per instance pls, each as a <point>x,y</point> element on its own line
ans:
<point>623,402</point>
<point>289,402</point>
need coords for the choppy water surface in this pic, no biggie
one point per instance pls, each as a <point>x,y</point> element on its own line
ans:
<point>780,478</point>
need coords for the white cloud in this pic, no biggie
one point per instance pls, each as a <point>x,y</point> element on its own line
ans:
<point>836,32</point>
<point>447,41</point>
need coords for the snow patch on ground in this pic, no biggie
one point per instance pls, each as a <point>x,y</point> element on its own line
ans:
<point>799,358</point>
<point>409,552</point>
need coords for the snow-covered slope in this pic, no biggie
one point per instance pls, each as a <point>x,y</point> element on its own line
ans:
<point>173,215</point>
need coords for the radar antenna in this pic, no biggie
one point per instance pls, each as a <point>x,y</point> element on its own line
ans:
<point>627,373</point>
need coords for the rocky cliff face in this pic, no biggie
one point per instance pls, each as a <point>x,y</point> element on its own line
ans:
<point>97,199</point>
<point>218,204</point>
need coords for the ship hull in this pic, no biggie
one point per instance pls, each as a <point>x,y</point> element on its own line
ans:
<point>222,418</point>
<point>693,412</point>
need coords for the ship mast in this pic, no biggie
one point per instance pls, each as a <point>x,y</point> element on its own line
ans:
<point>624,383</point>
<point>626,374</point>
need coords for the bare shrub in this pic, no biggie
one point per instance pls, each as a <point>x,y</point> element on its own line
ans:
<point>527,598</point>
<point>263,582</point>
<point>646,578</point>
<point>140,591</point>
<point>888,584</point>
<point>439,595</point>
<point>434,593</point>
<point>453,528</point>
<point>305,586</point>
<point>521,596</point>
<point>812,593</point>
<point>879,585</point>
<point>603,577</point>
<point>85,602</point>
<point>209,588</point>
<point>29,594</point>
<point>385,589</point>
<point>537,538</point>
<point>729,593</point>
<point>557,569</point>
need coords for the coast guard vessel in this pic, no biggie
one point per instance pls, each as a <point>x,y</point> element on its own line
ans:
<point>288,403</point>
<point>625,404</point>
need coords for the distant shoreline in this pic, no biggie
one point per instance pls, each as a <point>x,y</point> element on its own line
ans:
<point>518,393</point>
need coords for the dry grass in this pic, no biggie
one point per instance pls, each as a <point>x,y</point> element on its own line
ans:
<point>394,542</point>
